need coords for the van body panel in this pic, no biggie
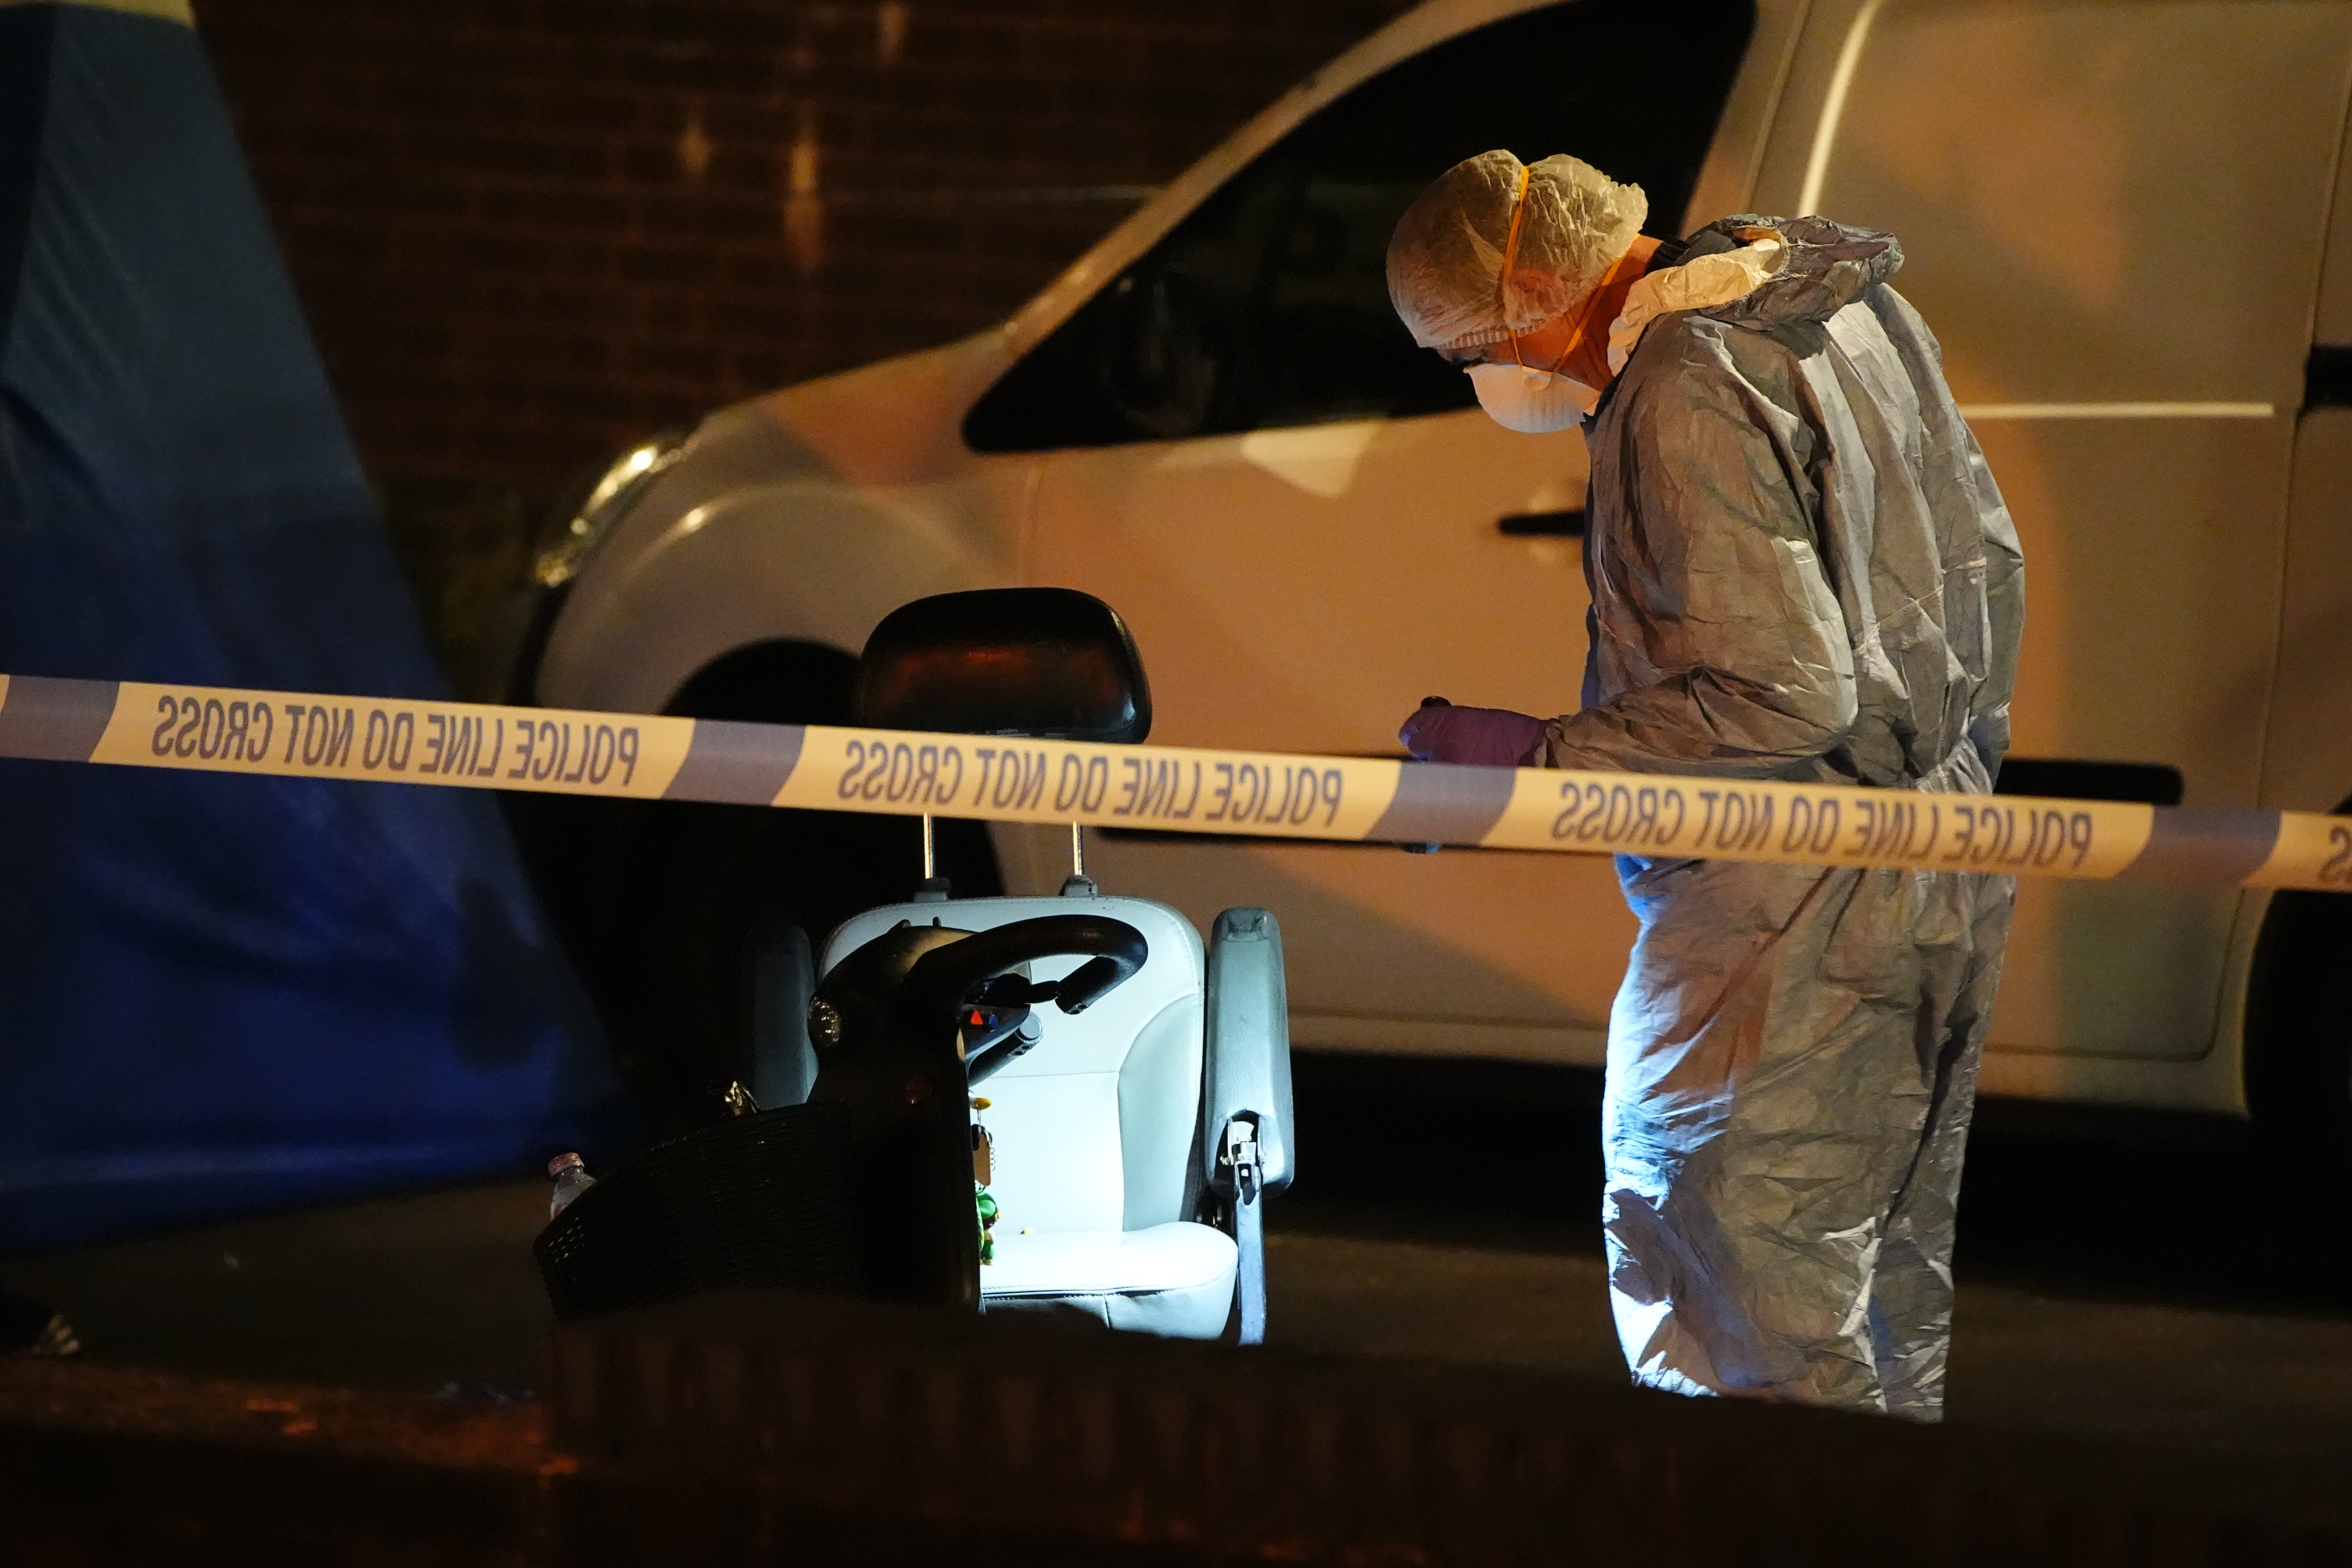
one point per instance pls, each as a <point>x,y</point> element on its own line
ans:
<point>806,515</point>
<point>2210,1083</point>
<point>2155,549</point>
<point>2076,230</point>
<point>1303,590</point>
<point>2332,319</point>
<point>2307,765</point>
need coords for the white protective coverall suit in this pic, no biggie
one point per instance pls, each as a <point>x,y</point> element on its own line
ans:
<point>1801,568</point>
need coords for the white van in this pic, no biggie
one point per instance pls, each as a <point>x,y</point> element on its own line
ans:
<point>2125,221</point>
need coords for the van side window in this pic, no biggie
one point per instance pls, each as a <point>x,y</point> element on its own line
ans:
<point>1267,305</point>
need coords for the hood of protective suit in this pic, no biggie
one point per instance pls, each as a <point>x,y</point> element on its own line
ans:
<point>1824,267</point>
<point>1757,272</point>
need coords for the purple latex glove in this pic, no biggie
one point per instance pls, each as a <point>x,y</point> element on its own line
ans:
<point>1489,737</point>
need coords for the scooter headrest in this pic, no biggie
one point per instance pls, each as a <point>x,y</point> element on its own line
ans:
<point>1051,663</point>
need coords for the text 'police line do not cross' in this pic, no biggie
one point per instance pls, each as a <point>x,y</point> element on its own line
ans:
<point>1167,788</point>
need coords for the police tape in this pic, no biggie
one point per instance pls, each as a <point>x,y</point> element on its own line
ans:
<point>1162,788</point>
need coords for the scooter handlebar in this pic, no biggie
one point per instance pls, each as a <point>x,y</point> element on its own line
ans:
<point>942,978</point>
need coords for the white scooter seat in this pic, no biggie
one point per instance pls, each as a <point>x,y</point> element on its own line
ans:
<point>1096,1134</point>
<point>1175,1278</point>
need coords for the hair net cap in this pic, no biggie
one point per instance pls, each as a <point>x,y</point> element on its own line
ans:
<point>1446,273</point>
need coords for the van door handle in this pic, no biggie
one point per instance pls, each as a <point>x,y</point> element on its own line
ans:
<point>1568,524</point>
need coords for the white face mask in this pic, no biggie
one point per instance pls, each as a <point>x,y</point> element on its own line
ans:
<point>1532,401</point>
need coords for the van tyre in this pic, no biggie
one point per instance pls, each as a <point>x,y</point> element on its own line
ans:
<point>2299,1034</point>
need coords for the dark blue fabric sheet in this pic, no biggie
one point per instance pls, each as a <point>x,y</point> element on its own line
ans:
<point>218,994</point>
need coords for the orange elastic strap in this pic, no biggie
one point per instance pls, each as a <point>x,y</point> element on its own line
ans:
<point>1510,258</point>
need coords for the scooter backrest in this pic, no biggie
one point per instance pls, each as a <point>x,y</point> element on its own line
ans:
<point>1051,663</point>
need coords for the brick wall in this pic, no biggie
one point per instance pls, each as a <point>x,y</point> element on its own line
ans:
<point>530,231</point>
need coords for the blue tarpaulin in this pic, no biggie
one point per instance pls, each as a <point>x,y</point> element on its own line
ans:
<point>219,995</point>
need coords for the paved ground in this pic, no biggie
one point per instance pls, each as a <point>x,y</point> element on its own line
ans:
<point>2131,1276</point>
<point>2250,1381</point>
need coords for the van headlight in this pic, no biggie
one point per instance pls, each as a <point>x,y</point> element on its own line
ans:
<point>608,501</point>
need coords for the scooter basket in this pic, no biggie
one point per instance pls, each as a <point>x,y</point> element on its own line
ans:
<point>752,1201</point>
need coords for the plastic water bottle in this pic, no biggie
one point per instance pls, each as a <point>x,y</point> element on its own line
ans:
<point>571,1179</point>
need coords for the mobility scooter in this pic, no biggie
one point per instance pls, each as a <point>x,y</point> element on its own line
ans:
<point>1066,1105</point>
